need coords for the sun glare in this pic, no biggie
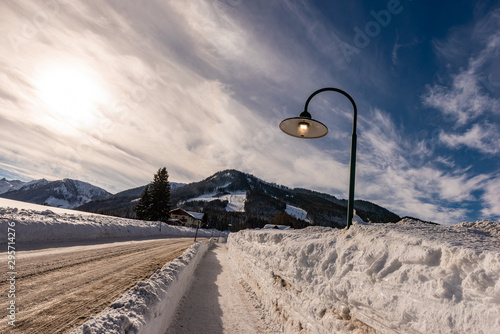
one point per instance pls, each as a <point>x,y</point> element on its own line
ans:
<point>70,94</point>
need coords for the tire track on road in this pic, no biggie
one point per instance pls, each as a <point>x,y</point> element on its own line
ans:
<point>57,297</point>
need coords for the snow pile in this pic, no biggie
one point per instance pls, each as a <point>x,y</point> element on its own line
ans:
<point>236,200</point>
<point>484,226</point>
<point>40,224</point>
<point>409,277</point>
<point>149,306</point>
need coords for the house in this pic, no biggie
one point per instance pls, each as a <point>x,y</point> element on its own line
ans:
<point>174,222</point>
<point>188,218</point>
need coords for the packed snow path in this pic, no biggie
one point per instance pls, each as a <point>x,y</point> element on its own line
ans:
<point>59,288</point>
<point>217,302</point>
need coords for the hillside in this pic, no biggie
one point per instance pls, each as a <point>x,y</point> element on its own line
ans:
<point>121,204</point>
<point>243,200</point>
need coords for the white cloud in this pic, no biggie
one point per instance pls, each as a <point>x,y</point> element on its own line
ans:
<point>464,101</point>
<point>196,86</point>
<point>491,198</point>
<point>399,173</point>
<point>469,101</point>
<point>483,137</point>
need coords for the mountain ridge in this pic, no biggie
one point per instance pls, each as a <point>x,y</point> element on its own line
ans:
<point>227,197</point>
<point>65,193</point>
<point>265,200</point>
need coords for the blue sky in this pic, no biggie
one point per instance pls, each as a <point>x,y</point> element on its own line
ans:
<point>109,91</point>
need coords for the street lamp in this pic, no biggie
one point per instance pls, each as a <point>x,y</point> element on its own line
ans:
<point>306,127</point>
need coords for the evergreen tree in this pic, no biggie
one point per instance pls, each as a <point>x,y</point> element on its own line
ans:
<point>160,196</point>
<point>143,206</point>
<point>154,203</point>
<point>204,220</point>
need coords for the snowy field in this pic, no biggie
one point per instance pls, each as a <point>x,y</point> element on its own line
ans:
<point>408,277</point>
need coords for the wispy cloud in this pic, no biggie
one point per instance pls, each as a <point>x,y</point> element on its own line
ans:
<point>482,137</point>
<point>401,174</point>
<point>176,79</point>
<point>201,86</point>
<point>467,98</point>
<point>398,45</point>
<point>491,198</point>
<point>464,101</point>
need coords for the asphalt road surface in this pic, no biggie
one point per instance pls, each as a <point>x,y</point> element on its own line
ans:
<point>58,289</point>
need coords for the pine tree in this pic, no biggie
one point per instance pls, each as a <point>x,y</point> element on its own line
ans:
<point>160,196</point>
<point>154,203</point>
<point>143,206</point>
<point>204,220</point>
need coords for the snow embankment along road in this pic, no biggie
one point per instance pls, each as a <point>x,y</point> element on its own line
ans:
<point>37,226</point>
<point>150,305</point>
<point>217,303</point>
<point>58,288</point>
<point>382,278</point>
<point>45,278</point>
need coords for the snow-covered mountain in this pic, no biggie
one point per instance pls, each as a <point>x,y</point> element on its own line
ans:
<point>6,185</point>
<point>121,204</point>
<point>237,198</point>
<point>65,193</point>
<point>231,197</point>
<point>233,190</point>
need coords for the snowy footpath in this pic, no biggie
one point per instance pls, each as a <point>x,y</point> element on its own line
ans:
<point>217,302</point>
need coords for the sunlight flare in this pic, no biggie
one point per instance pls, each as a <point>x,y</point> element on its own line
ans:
<point>70,94</point>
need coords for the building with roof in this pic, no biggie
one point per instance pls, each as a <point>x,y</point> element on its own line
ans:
<point>188,218</point>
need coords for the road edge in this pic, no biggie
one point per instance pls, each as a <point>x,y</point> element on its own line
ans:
<point>150,305</point>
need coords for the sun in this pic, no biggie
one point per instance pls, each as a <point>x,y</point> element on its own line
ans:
<point>70,94</point>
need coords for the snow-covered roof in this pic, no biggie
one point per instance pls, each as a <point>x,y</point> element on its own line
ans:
<point>195,215</point>
<point>281,227</point>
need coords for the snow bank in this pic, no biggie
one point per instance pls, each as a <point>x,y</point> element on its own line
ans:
<point>149,306</point>
<point>10,203</point>
<point>408,277</point>
<point>46,226</point>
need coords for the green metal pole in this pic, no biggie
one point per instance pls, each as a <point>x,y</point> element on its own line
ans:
<point>352,174</point>
<point>352,164</point>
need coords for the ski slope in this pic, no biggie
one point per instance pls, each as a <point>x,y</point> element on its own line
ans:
<point>235,201</point>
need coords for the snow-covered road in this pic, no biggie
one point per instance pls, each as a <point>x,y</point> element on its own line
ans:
<point>218,302</point>
<point>57,289</point>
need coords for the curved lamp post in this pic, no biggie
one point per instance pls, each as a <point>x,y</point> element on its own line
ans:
<point>306,127</point>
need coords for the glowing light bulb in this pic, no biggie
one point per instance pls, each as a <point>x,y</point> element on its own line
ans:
<point>303,129</point>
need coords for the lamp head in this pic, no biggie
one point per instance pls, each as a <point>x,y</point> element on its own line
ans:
<point>303,127</point>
